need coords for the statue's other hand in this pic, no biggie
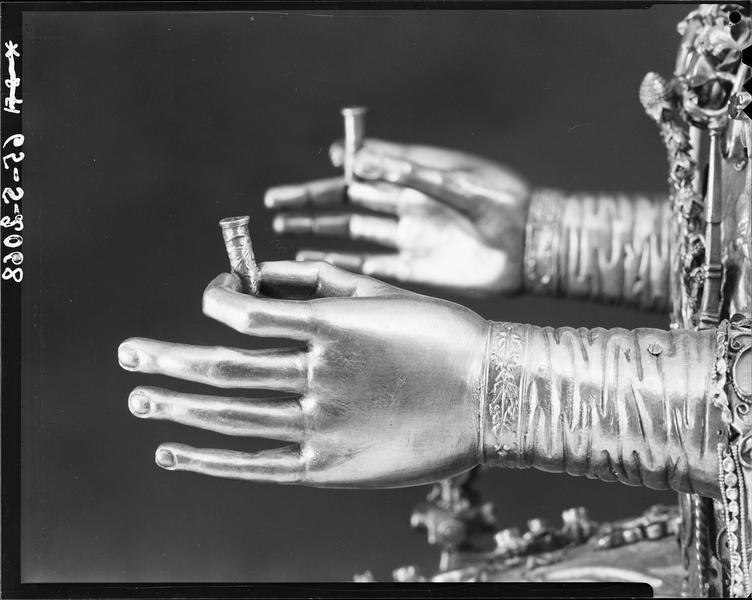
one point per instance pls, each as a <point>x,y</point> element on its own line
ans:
<point>451,220</point>
<point>386,391</point>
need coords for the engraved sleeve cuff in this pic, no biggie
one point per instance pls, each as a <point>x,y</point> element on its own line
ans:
<point>607,247</point>
<point>617,405</point>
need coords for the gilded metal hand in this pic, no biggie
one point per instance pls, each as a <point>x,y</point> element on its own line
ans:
<point>387,392</point>
<point>454,221</point>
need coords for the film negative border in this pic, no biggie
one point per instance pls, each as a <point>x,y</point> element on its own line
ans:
<point>11,262</point>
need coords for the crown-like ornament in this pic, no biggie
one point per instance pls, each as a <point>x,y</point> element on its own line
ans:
<point>705,93</point>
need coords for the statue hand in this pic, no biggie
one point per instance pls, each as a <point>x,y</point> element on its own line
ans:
<point>455,221</point>
<point>387,390</point>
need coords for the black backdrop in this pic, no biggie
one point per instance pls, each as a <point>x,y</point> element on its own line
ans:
<point>143,129</point>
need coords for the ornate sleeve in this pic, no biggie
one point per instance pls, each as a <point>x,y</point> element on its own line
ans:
<point>617,405</point>
<point>611,248</point>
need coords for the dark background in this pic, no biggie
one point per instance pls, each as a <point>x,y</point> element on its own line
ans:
<point>143,129</point>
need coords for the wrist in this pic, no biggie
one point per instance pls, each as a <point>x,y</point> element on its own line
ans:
<point>617,405</point>
<point>607,247</point>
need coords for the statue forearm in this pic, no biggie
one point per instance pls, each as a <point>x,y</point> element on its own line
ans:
<point>618,405</point>
<point>607,247</point>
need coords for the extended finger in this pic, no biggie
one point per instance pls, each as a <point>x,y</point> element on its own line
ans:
<point>323,192</point>
<point>379,230</point>
<point>386,197</point>
<point>317,279</point>
<point>255,315</point>
<point>337,149</point>
<point>277,419</point>
<point>376,265</point>
<point>451,187</point>
<point>284,369</point>
<point>278,465</point>
<point>440,158</point>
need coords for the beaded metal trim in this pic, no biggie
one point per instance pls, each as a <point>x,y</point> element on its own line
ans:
<point>732,395</point>
<point>720,400</point>
<point>734,511</point>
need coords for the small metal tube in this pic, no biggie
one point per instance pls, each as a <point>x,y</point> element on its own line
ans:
<point>239,251</point>
<point>355,133</point>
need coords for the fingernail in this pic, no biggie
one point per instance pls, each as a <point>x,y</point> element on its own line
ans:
<point>278,224</point>
<point>165,459</point>
<point>127,357</point>
<point>139,404</point>
<point>304,255</point>
<point>337,155</point>
<point>394,169</point>
<point>367,192</point>
<point>368,166</point>
<point>292,224</point>
<point>286,194</point>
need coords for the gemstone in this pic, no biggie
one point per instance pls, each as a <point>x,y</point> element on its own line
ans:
<point>733,507</point>
<point>728,464</point>
<point>733,525</point>
<point>732,493</point>
<point>730,479</point>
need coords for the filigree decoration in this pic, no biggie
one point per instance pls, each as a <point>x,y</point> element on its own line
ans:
<point>734,511</point>
<point>740,344</point>
<point>659,101</point>
<point>734,372</point>
<point>655,523</point>
<point>705,92</point>
<point>455,519</point>
<point>719,398</point>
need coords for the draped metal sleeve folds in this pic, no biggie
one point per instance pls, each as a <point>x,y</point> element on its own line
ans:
<point>617,405</point>
<point>605,247</point>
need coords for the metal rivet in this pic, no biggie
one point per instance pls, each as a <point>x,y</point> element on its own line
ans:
<point>655,349</point>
